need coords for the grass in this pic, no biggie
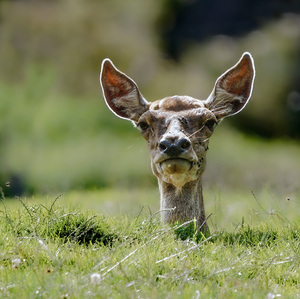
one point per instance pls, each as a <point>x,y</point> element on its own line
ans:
<point>54,248</point>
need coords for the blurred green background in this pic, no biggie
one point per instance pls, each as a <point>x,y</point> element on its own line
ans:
<point>57,135</point>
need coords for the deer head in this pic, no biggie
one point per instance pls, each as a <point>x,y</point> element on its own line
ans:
<point>177,130</point>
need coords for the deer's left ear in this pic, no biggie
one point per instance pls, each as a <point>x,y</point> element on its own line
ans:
<point>232,89</point>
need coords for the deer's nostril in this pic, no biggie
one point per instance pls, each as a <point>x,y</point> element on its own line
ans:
<point>163,145</point>
<point>185,144</point>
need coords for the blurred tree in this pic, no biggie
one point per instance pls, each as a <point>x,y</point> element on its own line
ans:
<point>182,22</point>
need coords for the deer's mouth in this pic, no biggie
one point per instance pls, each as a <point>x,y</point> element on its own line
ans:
<point>176,165</point>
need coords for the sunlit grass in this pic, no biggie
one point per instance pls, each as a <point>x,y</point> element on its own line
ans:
<point>51,250</point>
<point>227,208</point>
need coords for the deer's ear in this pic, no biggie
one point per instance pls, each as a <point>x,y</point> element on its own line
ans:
<point>121,93</point>
<point>232,89</point>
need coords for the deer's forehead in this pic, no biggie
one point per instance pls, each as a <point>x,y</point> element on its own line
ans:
<point>188,116</point>
<point>177,107</point>
<point>176,104</point>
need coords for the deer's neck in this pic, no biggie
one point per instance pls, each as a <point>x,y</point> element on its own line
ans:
<point>184,205</point>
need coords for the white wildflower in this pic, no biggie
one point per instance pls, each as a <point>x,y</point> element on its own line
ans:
<point>16,263</point>
<point>271,295</point>
<point>95,278</point>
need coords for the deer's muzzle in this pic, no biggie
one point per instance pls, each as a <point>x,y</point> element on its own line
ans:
<point>176,165</point>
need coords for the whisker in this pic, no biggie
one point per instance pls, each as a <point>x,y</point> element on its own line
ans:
<point>201,139</point>
<point>196,132</point>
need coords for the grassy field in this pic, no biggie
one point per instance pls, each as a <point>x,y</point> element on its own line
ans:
<point>110,244</point>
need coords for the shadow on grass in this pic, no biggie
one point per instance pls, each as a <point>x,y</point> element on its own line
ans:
<point>42,222</point>
<point>250,237</point>
<point>81,229</point>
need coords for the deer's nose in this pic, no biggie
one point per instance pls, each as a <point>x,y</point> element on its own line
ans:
<point>174,148</point>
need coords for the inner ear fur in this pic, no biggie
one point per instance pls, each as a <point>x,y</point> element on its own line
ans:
<point>233,89</point>
<point>121,93</point>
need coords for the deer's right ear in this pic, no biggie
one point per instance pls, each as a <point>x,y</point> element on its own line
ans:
<point>233,89</point>
<point>121,93</point>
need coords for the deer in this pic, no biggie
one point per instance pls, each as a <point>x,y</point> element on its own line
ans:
<point>177,130</point>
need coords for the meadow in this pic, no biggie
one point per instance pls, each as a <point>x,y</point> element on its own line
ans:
<point>88,224</point>
<point>72,247</point>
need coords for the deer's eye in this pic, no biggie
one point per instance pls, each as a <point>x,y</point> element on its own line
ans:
<point>143,126</point>
<point>211,124</point>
